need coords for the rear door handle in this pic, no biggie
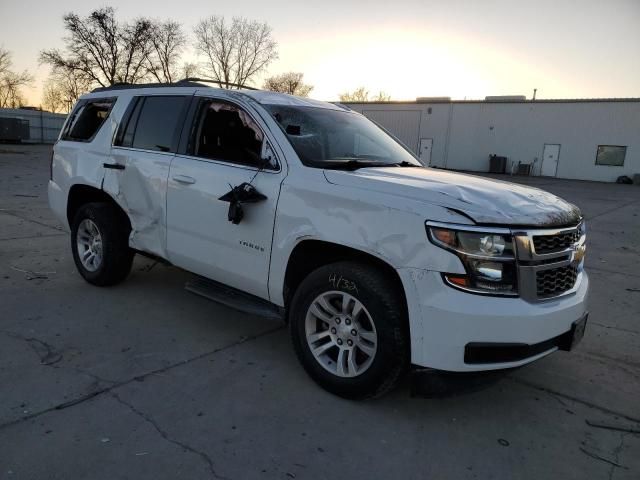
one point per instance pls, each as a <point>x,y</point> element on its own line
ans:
<point>114,166</point>
<point>184,179</point>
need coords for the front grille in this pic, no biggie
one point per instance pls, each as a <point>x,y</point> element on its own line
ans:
<point>556,281</point>
<point>555,243</point>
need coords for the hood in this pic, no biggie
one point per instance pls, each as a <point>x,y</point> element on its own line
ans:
<point>484,200</point>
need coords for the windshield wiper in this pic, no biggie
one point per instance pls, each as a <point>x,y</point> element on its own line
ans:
<point>404,163</point>
<point>351,164</point>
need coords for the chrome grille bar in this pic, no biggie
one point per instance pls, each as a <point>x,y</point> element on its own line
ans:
<point>537,271</point>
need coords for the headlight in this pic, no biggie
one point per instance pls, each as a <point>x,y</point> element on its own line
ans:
<point>488,257</point>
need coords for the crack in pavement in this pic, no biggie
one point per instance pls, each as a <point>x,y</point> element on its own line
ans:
<point>147,418</point>
<point>632,369</point>
<point>612,210</point>
<point>29,237</point>
<point>617,272</point>
<point>625,330</point>
<point>602,459</point>
<point>140,377</point>
<point>47,353</point>
<point>529,384</point>
<point>42,224</point>
<point>616,453</point>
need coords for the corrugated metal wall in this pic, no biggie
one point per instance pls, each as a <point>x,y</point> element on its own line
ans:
<point>44,127</point>
<point>465,133</point>
<point>404,124</point>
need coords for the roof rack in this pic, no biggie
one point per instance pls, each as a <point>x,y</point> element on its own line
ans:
<point>185,82</point>
<point>219,82</point>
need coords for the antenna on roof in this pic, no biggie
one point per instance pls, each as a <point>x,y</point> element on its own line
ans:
<point>219,82</point>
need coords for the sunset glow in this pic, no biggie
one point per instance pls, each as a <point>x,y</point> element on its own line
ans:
<point>459,49</point>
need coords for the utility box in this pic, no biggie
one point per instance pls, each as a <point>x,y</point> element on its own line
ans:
<point>497,164</point>
<point>523,169</point>
<point>14,130</point>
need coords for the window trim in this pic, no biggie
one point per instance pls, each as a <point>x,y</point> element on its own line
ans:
<point>124,122</point>
<point>79,106</point>
<point>624,158</point>
<point>187,142</point>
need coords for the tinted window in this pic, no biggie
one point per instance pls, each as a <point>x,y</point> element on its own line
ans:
<point>87,118</point>
<point>156,125</point>
<point>226,132</point>
<point>612,155</point>
<point>127,126</point>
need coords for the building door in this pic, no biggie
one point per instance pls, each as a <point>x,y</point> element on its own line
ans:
<point>425,150</point>
<point>550,157</point>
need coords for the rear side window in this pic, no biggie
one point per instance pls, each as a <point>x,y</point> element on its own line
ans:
<point>87,118</point>
<point>152,123</point>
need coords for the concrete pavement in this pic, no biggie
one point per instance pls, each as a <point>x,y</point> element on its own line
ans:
<point>145,380</point>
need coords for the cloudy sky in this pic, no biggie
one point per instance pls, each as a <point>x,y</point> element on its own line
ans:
<point>408,48</point>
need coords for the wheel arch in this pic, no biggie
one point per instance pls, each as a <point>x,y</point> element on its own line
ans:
<point>310,254</point>
<point>81,194</point>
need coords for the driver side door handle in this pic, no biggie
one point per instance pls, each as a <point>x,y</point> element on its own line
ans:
<point>184,179</point>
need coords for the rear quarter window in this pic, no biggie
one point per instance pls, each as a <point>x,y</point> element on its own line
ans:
<point>152,123</point>
<point>87,118</point>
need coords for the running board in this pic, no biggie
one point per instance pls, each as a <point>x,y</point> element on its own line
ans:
<point>236,299</point>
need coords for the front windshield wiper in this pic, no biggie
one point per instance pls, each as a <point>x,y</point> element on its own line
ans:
<point>404,163</point>
<point>351,164</point>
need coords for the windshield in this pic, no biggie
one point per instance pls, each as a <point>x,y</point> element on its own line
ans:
<point>323,138</point>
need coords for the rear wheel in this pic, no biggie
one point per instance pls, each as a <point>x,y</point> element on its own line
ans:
<point>349,330</point>
<point>100,244</point>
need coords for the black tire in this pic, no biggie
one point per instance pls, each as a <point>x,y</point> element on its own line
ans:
<point>386,306</point>
<point>114,229</point>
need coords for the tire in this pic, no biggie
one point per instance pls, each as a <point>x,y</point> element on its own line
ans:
<point>112,257</point>
<point>379,349</point>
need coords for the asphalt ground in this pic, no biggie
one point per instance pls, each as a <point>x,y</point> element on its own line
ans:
<point>145,380</point>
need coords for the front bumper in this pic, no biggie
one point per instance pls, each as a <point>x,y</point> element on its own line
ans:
<point>445,323</point>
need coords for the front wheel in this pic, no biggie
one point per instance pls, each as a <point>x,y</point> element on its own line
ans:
<point>349,330</point>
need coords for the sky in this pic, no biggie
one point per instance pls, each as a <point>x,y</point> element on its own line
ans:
<point>406,48</point>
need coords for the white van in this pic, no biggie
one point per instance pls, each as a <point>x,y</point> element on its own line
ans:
<point>307,210</point>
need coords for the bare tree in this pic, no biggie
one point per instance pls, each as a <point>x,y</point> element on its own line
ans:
<point>361,95</point>
<point>63,89</point>
<point>52,99</point>
<point>290,82</point>
<point>190,69</point>
<point>102,50</point>
<point>235,52</point>
<point>11,83</point>
<point>168,42</point>
<point>381,96</point>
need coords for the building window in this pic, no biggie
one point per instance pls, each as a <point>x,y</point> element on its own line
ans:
<point>612,155</point>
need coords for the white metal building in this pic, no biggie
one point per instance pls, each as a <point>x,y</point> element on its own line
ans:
<point>591,139</point>
<point>44,127</point>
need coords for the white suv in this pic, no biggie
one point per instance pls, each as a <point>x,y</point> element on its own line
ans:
<point>308,210</point>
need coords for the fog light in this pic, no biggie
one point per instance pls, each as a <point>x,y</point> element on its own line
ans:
<point>491,271</point>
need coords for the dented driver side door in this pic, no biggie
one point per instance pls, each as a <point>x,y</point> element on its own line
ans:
<point>136,175</point>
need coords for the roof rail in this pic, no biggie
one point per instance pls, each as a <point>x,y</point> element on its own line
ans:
<point>135,86</point>
<point>219,82</point>
<point>185,82</point>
